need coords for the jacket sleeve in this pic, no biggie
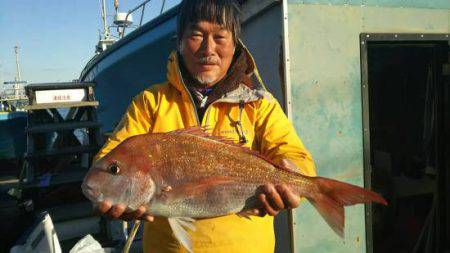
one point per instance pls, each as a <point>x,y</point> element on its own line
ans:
<point>137,120</point>
<point>278,138</point>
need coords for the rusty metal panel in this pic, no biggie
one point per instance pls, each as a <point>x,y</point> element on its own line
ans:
<point>325,81</point>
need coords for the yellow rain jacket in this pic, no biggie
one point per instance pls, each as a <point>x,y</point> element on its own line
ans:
<point>169,106</point>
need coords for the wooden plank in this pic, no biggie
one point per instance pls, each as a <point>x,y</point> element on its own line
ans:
<point>63,126</point>
<point>61,105</point>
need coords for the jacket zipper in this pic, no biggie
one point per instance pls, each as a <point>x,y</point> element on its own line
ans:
<point>199,123</point>
<point>242,137</point>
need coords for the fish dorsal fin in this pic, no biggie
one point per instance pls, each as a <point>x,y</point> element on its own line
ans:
<point>203,132</point>
<point>179,226</point>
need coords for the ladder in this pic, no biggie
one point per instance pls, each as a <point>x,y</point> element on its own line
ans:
<point>62,133</point>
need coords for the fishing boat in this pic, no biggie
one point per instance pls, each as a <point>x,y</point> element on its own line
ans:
<point>12,116</point>
<point>339,68</point>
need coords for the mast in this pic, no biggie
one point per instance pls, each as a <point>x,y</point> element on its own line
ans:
<point>16,52</point>
<point>17,88</point>
<point>106,39</point>
<point>105,26</point>
<point>1,73</point>
<point>18,77</point>
<point>121,21</point>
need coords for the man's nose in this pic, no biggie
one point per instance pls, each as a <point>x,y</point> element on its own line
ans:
<point>209,46</point>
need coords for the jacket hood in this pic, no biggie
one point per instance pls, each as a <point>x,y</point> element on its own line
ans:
<point>251,91</point>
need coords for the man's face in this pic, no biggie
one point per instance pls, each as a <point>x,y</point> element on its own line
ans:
<point>207,49</point>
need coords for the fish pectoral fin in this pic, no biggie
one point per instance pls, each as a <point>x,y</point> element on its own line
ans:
<point>179,226</point>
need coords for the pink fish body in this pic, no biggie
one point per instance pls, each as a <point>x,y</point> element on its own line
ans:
<point>186,173</point>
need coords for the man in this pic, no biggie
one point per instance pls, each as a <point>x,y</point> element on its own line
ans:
<point>212,81</point>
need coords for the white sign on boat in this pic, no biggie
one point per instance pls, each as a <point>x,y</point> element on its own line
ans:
<point>58,96</point>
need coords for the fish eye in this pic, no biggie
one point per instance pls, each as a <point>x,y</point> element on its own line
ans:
<point>114,169</point>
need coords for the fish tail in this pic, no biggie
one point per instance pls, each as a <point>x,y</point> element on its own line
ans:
<point>331,196</point>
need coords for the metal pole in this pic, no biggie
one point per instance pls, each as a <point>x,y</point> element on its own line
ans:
<point>142,15</point>
<point>1,73</point>
<point>105,28</point>
<point>18,77</point>
<point>162,7</point>
<point>16,51</point>
<point>291,214</point>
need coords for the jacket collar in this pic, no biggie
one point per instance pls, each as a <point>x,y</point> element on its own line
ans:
<point>242,93</point>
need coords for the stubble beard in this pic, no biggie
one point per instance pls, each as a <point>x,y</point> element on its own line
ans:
<point>205,78</point>
<point>209,77</point>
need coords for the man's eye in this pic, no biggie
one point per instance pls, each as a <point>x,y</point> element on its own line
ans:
<point>221,37</point>
<point>196,35</point>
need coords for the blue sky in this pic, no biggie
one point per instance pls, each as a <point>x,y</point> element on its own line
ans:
<point>56,37</point>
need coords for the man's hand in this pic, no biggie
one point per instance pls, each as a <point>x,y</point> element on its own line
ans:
<point>275,198</point>
<point>111,211</point>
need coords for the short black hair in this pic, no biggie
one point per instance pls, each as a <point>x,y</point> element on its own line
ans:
<point>222,12</point>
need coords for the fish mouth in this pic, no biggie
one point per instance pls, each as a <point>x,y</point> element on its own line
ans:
<point>91,193</point>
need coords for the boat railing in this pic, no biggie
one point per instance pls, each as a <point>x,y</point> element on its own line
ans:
<point>142,8</point>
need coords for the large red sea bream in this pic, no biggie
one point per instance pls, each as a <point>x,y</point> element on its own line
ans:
<point>186,174</point>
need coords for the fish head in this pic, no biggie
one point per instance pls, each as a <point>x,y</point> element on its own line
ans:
<point>121,178</point>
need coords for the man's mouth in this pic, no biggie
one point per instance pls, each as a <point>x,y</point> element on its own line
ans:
<point>208,61</point>
<point>204,66</point>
